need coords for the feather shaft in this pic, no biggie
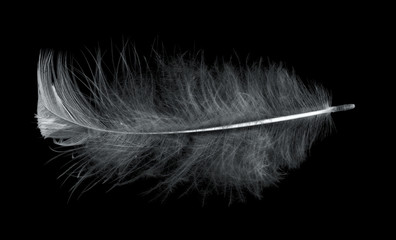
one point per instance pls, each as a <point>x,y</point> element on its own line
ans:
<point>344,107</point>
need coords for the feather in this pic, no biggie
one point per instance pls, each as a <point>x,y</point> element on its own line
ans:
<point>220,128</point>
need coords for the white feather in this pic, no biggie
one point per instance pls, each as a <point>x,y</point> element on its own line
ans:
<point>216,128</point>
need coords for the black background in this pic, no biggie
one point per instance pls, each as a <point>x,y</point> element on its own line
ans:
<point>333,191</point>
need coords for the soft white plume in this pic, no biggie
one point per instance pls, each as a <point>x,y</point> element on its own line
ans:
<point>137,123</point>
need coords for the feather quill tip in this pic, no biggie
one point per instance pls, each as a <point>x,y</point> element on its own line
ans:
<point>344,107</point>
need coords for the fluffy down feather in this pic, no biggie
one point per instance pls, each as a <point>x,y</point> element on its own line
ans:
<point>107,117</point>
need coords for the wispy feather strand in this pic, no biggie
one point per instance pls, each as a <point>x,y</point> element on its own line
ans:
<point>120,124</point>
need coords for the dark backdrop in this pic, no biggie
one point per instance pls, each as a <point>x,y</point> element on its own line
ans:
<point>329,192</point>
